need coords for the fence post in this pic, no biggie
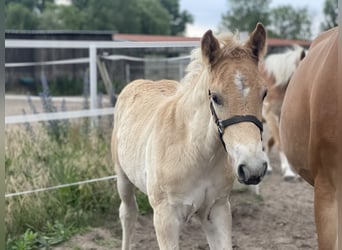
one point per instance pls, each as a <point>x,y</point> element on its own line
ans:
<point>93,76</point>
<point>128,73</point>
<point>93,80</point>
<point>180,70</point>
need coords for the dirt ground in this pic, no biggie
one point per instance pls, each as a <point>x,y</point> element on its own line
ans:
<point>280,219</point>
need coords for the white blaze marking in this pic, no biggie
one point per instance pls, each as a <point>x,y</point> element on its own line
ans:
<point>240,82</point>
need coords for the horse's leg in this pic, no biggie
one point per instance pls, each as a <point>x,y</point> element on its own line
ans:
<point>217,225</point>
<point>286,170</point>
<point>270,144</point>
<point>128,208</point>
<point>325,214</point>
<point>272,122</point>
<point>167,220</point>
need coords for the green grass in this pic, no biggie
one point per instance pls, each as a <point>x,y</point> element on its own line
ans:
<point>36,159</point>
<point>53,234</point>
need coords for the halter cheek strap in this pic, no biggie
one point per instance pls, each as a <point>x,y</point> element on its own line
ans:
<point>222,124</point>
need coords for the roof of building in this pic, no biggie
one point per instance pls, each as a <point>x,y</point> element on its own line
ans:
<point>151,38</point>
<point>128,37</point>
<point>64,32</point>
<point>159,38</point>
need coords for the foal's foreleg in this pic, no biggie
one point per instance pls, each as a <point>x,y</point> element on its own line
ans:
<point>128,209</point>
<point>167,221</point>
<point>217,225</point>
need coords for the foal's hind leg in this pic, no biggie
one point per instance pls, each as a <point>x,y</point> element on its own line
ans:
<point>128,208</point>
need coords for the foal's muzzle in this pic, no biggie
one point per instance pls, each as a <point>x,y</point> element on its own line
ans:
<point>249,176</point>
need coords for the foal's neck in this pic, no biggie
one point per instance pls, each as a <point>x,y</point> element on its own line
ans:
<point>196,113</point>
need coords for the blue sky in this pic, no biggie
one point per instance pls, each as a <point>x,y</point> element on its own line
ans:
<point>207,14</point>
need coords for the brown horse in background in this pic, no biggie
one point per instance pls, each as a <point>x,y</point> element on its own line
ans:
<point>309,127</point>
<point>277,70</point>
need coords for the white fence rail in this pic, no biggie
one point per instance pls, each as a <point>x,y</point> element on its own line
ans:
<point>18,119</point>
<point>93,111</point>
<point>92,46</point>
<point>61,186</point>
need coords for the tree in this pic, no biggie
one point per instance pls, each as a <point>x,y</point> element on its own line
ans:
<point>49,19</point>
<point>290,23</point>
<point>38,5</point>
<point>330,11</point>
<point>73,18</point>
<point>124,16</point>
<point>80,4</point>
<point>178,19</point>
<point>62,17</point>
<point>134,16</point>
<point>244,14</point>
<point>84,15</point>
<point>19,17</point>
<point>154,18</point>
<point>100,15</point>
<point>30,4</point>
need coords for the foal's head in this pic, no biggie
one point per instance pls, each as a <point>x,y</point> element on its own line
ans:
<point>236,92</point>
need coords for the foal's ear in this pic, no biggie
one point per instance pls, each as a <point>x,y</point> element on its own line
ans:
<point>257,41</point>
<point>210,47</point>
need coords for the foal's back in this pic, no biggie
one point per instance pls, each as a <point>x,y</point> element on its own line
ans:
<point>142,94</point>
<point>134,117</point>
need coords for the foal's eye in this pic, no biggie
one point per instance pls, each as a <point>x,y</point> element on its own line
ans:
<point>216,99</point>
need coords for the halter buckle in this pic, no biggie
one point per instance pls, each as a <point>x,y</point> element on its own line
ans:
<point>220,127</point>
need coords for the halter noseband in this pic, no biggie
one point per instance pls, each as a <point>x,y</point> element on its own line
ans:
<point>222,124</point>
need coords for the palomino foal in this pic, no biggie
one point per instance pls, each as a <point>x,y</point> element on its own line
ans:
<point>183,144</point>
<point>309,129</point>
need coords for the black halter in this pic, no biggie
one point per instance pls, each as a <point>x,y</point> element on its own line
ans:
<point>222,124</point>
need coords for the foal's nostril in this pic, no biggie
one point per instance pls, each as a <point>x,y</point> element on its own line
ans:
<point>265,168</point>
<point>243,172</point>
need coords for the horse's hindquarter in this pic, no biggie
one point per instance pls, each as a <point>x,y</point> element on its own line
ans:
<point>324,113</point>
<point>308,121</point>
<point>135,110</point>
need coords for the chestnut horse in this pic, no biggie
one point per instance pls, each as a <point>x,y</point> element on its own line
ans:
<point>183,144</point>
<point>278,69</point>
<point>308,130</point>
